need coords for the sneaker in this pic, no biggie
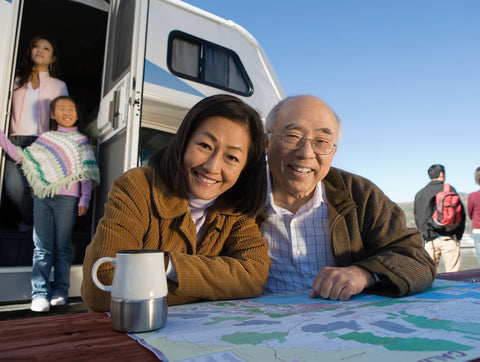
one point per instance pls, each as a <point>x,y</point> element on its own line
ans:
<point>57,300</point>
<point>40,304</point>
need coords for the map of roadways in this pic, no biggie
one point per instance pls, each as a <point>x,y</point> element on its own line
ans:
<point>440,324</point>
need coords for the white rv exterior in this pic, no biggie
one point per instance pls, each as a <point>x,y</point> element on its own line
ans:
<point>160,58</point>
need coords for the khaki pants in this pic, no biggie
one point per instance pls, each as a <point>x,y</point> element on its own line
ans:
<point>449,248</point>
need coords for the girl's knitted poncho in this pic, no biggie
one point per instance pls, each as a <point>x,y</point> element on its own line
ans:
<point>58,160</point>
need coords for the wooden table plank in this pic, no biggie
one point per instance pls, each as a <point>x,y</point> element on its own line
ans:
<point>90,337</point>
<point>72,337</point>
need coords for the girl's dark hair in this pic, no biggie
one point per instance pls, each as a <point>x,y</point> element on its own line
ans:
<point>53,123</point>
<point>249,192</point>
<point>477,175</point>
<point>26,63</point>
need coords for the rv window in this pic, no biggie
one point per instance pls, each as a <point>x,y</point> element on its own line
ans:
<point>186,57</point>
<point>120,37</point>
<point>205,62</point>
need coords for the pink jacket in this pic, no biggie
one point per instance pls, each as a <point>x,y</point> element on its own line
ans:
<point>50,88</point>
<point>473,209</point>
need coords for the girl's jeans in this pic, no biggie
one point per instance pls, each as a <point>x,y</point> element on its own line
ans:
<point>54,218</point>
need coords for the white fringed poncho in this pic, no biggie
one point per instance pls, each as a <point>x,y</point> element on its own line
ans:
<point>58,160</point>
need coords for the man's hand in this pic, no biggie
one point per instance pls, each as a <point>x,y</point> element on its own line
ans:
<point>341,283</point>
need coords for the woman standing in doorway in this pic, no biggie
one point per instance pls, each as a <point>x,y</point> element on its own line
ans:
<point>35,87</point>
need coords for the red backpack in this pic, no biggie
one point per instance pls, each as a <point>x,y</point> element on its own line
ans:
<point>447,214</point>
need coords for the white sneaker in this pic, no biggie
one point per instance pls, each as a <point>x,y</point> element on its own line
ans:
<point>57,300</point>
<point>40,304</point>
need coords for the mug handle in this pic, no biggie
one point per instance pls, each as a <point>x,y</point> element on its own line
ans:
<point>107,288</point>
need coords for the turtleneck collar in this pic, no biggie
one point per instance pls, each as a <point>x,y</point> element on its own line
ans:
<point>198,210</point>
<point>197,203</point>
<point>66,129</point>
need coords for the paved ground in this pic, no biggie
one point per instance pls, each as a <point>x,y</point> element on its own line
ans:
<point>22,310</point>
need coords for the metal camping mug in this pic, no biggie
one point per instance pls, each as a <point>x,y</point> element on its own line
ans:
<point>138,291</point>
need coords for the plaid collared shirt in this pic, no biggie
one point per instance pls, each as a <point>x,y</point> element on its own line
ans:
<point>298,244</point>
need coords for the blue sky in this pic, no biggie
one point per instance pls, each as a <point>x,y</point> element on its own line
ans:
<point>403,75</point>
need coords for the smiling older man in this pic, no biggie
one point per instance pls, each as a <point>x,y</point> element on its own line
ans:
<point>329,230</point>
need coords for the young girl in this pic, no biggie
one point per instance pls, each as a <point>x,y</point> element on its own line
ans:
<point>35,87</point>
<point>60,168</point>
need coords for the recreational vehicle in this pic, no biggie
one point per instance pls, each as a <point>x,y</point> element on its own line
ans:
<point>135,67</point>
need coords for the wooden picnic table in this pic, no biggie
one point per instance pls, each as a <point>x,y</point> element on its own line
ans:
<point>90,337</point>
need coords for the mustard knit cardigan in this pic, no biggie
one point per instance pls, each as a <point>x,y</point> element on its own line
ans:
<point>230,260</point>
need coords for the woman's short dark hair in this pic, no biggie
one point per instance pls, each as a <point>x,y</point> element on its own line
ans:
<point>249,192</point>
<point>26,63</point>
<point>53,123</point>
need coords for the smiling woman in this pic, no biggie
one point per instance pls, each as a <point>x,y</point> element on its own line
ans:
<point>215,157</point>
<point>195,202</point>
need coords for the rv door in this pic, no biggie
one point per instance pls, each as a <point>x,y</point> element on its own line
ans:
<point>9,13</point>
<point>120,107</point>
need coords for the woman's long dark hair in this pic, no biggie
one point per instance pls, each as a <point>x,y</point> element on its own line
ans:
<point>26,63</point>
<point>249,192</point>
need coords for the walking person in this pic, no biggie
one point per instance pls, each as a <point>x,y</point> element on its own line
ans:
<point>473,210</point>
<point>437,241</point>
<point>35,87</point>
<point>60,168</point>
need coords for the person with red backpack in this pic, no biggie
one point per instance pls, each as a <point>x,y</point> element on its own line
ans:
<point>440,217</point>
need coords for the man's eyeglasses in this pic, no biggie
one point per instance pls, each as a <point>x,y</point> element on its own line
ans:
<point>295,140</point>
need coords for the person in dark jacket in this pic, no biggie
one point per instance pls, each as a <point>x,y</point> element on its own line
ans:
<point>328,230</point>
<point>437,242</point>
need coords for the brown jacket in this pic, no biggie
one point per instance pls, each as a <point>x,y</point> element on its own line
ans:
<point>230,260</point>
<point>369,230</point>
